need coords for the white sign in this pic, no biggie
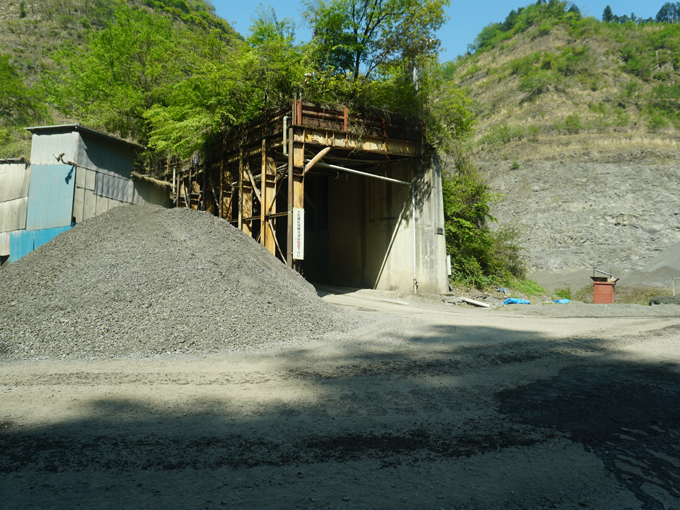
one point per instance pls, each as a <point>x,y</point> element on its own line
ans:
<point>298,233</point>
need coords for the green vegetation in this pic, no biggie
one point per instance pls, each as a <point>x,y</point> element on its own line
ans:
<point>20,105</point>
<point>607,78</point>
<point>563,293</point>
<point>526,287</point>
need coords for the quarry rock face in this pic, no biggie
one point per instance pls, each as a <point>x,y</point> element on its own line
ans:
<point>580,215</point>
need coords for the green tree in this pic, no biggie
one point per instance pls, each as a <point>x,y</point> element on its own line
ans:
<point>607,15</point>
<point>669,13</point>
<point>19,104</point>
<point>124,70</point>
<point>229,84</point>
<point>365,37</point>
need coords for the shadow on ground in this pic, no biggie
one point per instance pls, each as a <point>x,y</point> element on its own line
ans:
<point>450,402</point>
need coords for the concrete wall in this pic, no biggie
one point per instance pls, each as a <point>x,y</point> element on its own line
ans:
<point>370,225</point>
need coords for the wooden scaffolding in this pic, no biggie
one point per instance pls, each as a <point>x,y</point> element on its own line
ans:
<point>255,176</point>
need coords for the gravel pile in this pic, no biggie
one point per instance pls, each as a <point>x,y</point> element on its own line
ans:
<point>143,280</point>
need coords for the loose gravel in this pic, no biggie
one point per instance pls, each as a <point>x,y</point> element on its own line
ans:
<point>144,281</point>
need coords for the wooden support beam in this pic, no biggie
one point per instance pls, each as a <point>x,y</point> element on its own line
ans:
<point>246,196</point>
<point>316,159</point>
<point>220,207</point>
<point>268,202</point>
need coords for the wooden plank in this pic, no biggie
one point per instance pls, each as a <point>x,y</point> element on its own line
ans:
<point>268,194</point>
<point>289,233</point>
<point>246,196</point>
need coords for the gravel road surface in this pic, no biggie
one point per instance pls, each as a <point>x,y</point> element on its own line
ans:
<point>419,405</point>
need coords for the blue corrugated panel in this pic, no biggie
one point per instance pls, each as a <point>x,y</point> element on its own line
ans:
<point>46,235</point>
<point>23,242</point>
<point>50,196</point>
<point>20,244</point>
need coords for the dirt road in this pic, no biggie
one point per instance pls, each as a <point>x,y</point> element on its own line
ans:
<point>425,406</point>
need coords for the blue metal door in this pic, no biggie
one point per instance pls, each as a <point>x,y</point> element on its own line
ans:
<point>50,196</point>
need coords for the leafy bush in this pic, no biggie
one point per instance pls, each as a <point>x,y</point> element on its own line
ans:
<point>666,97</point>
<point>502,134</point>
<point>538,82</point>
<point>572,124</point>
<point>656,121</point>
<point>545,28</point>
<point>478,255</point>
<point>563,293</point>
<point>621,118</point>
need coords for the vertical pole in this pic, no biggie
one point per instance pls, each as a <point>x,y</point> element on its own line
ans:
<point>219,209</point>
<point>191,188</point>
<point>246,209</point>
<point>413,221</point>
<point>240,190</point>
<point>289,243</point>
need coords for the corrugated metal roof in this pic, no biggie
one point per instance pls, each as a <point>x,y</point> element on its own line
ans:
<point>82,129</point>
<point>50,197</point>
<point>53,145</point>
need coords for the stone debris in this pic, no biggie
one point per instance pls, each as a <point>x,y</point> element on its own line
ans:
<point>144,281</point>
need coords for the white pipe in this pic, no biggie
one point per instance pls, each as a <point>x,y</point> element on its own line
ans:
<point>476,303</point>
<point>413,205</point>
<point>413,215</point>
<point>285,135</point>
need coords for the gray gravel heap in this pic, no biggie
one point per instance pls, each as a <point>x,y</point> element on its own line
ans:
<point>143,280</point>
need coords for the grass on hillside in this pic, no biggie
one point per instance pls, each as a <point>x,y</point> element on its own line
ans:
<point>565,77</point>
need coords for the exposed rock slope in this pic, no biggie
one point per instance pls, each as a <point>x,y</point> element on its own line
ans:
<point>578,215</point>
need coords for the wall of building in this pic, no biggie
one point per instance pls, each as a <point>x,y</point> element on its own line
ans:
<point>14,183</point>
<point>370,229</point>
<point>73,176</point>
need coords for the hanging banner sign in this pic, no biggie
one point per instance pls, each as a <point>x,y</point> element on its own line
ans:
<point>298,233</point>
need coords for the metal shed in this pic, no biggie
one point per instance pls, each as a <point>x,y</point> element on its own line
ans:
<point>74,173</point>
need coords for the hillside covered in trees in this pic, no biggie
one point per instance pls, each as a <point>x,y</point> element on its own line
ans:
<point>547,80</point>
<point>38,37</point>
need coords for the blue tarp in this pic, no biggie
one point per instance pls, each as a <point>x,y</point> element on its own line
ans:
<point>561,301</point>
<point>516,301</point>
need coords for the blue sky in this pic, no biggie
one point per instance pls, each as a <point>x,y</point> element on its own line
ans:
<point>467,18</point>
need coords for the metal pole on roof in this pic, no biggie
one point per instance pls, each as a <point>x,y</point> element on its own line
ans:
<point>396,181</point>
